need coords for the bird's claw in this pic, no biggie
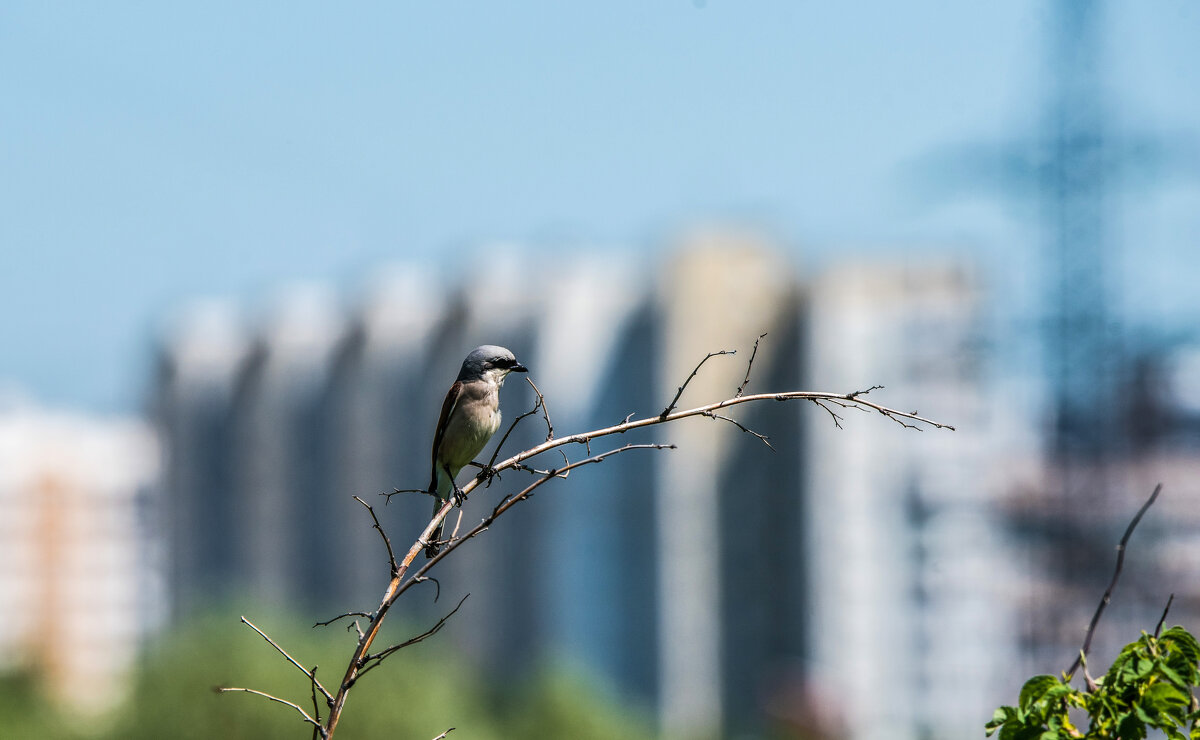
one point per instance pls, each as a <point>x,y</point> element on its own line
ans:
<point>486,473</point>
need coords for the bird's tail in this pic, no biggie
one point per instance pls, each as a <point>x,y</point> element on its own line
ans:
<point>440,482</point>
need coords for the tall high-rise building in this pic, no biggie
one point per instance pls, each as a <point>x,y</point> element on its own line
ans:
<point>80,563</point>
<point>909,626</point>
<point>730,588</point>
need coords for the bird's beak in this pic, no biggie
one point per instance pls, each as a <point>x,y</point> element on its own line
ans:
<point>518,368</point>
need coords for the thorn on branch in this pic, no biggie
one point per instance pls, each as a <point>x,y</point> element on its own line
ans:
<point>750,364</point>
<point>671,406</point>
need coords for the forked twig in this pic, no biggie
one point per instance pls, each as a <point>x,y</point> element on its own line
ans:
<point>378,658</point>
<point>379,528</point>
<point>328,622</point>
<point>491,465</point>
<point>309,674</point>
<point>671,406</point>
<point>545,409</point>
<point>762,437</point>
<point>231,689</point>
<point>749,365</point>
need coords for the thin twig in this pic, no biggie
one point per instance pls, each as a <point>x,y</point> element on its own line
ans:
<point>837,418</point>
<point>316,706</point>
<point>1163,618</point>
<point>749,365</point>
<point>328,622</point>
<point>545,409</point>
<point>1087,641</point>
<point>855,394</point>
<point>378,527</point>
<point>397,491</point>
<point>379,657</point>
<point>230,689</point>
<point>762,437</point>
<point>491,465</point>
<point>671,406</point>
<point>444,734</point>
<point>290,659</point>
<point>437,594</point>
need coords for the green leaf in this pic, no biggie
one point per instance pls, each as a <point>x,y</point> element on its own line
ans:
<point>1129,727</point>
<point>1173,677</point>
<point>1183,641</point>
<point>1035,688</point>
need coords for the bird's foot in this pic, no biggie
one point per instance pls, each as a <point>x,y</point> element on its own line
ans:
<point>458,496</point>
<point>486,473</point>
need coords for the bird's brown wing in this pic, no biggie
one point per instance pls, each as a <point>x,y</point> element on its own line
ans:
<point>447,408</point>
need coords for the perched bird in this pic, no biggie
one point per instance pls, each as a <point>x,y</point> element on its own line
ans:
<point>470,416</point>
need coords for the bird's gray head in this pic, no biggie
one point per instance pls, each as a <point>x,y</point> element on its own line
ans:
<point>490,361</point>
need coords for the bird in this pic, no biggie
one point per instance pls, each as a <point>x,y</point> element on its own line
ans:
<point>470,416</point>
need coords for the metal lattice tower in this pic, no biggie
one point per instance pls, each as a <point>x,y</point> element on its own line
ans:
<point>1074,181</point>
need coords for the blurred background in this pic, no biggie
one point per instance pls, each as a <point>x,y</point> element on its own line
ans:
<point>243,251</point>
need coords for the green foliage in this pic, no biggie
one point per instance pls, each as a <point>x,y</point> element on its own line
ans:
<point>418,693</point>
<point>1148,686</point>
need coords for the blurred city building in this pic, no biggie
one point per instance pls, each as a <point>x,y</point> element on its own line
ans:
<point>80,551</point>
<point>845,582</point>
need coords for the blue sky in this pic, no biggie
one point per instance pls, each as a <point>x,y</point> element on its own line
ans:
<point>152,154</point>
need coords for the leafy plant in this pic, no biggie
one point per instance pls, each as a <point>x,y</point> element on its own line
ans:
<point>1149,686</point>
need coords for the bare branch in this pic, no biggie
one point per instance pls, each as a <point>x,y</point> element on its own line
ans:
<point>491,465</point>
<point>230,689</point>
<point>762,437</point>
<point>444,734</point>
<point>378,527</point>
<point>509,501</point>
<point>316,706</point>
<point>855,394</point>
<point>328,622</point>
<point>396,491</point>
<point>402,579</point>
<point>1163,618</point>
<point>437,594</point>
<point>671,406</point>
<point>311,677</point>
<point>749,365</point>
<point>371,661</point>
<point>1087,641</point>
<point>545,409</point>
